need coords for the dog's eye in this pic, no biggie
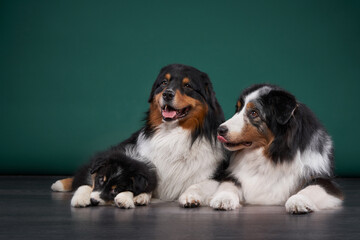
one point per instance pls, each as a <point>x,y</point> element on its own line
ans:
<point>187,85</point>
<point>254,114</point>
<point>164,82</point>
<point>101,180</point>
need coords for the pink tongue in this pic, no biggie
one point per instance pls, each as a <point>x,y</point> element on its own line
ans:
<point>221,139</point>
<point>168,114</point>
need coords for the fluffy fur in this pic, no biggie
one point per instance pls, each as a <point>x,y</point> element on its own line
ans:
<point>282,155</point>
<point>108,174</point>
<point>179,136</point>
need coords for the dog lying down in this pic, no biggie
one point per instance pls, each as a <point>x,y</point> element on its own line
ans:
<point>111,178</point>
<point>281,155</point>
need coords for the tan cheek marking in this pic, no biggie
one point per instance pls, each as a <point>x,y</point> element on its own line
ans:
<point>168,76</point>
<point>155,118</point>
<point>113,187</point>
<point>104,179</point>
<point>251,134</point>
<point>182,100</point>
<point>196,116</point>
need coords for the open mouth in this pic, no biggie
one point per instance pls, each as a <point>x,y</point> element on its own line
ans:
<point>231,145</point>
<point>169,113</point>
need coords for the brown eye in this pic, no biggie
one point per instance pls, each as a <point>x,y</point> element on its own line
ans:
<point>254,114</point>
<point>187,85</point>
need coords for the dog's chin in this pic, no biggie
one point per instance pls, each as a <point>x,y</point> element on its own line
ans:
<point>171,114</point>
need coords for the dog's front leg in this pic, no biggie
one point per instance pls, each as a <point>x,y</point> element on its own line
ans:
<point>81,197</point>
<point>227,197</point>
<point>198,194</point>
<point>323,194</point>
<point>125,200</point>
<point>142,199</point>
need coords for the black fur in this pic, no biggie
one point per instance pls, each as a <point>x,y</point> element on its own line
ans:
<point>125,173</point>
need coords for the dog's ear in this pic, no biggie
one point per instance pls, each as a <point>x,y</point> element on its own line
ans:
<point>156,83</point>
<point>152,92</point>
<point>283,105</point>
<point>209,92</point>
<point>140,183</point>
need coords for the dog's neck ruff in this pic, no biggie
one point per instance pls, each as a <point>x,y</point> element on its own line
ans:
<point>179,163</point>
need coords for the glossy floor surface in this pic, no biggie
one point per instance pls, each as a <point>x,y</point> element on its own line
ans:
<point>29,210</point>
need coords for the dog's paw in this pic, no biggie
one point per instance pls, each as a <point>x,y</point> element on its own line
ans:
<point>225,201</point>
<point>81,197</point>
<point>189,200</point>
<point>125,200</point>
<point>142,199</point>
<point>299,204</point>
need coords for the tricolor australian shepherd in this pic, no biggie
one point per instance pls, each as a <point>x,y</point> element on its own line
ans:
<point>281,155</point>
<point>178,139</point>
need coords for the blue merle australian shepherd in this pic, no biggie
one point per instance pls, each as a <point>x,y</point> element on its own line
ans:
<point>178,142</point>
<point>281,155</point>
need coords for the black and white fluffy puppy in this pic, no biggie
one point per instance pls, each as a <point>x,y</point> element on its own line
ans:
<point>111,177</point>
<point>281,155</point>
<point>180,134</point>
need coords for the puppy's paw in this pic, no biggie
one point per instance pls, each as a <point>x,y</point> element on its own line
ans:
<point>189,200</point>
<point>142,199</point>
<point>81,197</point>
<point>125,200</point>
<point>299,204</point>
<point>225,201</point>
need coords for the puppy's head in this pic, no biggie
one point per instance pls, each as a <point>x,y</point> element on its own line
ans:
<point>184,95</point>
<point>110,177</point>
<point>262,111</point>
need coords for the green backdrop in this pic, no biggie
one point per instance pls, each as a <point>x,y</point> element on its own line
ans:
<point>76,75</point>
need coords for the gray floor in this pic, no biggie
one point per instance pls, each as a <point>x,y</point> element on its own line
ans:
<point>29,210</point>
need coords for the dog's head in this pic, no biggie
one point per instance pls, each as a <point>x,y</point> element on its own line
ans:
<point>111,177</point>
<point>262,112</point>
<point>183,95</point>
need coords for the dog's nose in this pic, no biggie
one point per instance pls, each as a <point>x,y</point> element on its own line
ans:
<point>168,95</point>
<point>94,202</point>
<point>222,130</point>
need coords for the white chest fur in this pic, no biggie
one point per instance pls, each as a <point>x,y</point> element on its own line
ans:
<point>262,181</point>
<point>178,164</point>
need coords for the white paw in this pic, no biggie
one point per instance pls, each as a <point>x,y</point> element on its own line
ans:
<point>81,197</point>
<point>299,204</point>
<point>142,199</point>
<point>225,201</point>
<point>57,186</point>
<point>189,200</point>
<point>125,200</point>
